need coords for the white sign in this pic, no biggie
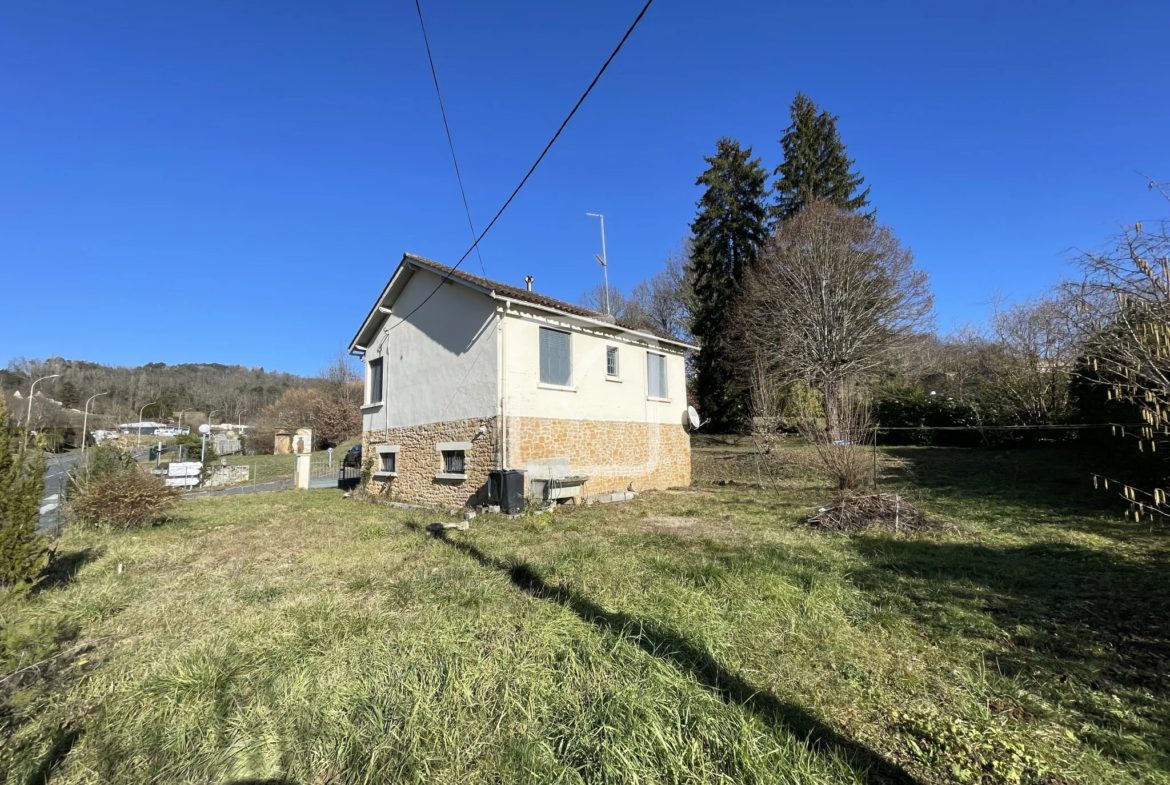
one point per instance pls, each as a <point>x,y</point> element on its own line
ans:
<point>184,474</point>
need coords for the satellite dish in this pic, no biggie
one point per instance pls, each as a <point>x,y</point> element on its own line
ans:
<point>693,416</point>
<point>205,429</point>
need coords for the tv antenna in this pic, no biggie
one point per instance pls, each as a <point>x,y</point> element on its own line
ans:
<point>602,260</point>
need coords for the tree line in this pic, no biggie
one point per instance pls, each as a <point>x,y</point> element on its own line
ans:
<point>266,400</point>
<point>801,303</point>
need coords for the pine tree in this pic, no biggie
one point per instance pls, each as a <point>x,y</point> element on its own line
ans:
<point>728,230</point>
<point>815,165</point>
<point>23,553</point>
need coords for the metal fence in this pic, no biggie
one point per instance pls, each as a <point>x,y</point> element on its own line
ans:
<point>329,473</point>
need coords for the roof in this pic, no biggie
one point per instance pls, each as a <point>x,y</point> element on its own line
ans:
<point>522,295</point>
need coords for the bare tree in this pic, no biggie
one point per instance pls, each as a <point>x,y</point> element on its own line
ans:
<point>665,300</point>
<point>840,437</point>
<point>831,298</point>
<point>342,377</point>
<point>1123,308</point>
<point>1037,345</point>
<point>660,303</point>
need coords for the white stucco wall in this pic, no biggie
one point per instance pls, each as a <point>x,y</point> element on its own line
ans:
<point>591,394</point>
<point>441,364</point>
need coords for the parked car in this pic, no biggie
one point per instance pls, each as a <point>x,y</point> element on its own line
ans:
<point>353,457</point>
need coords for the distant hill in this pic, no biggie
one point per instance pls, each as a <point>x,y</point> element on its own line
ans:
<point>231,391</point>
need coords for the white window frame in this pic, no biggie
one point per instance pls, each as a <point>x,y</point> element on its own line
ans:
<point>665,397</point>
<point>381,362</point>
<point>616,376</point>
<point>570,387</point>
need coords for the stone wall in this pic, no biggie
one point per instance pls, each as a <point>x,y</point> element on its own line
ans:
<point>419,461</point>
<point>611,454</point>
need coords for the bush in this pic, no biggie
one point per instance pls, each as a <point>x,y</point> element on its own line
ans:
<point>128,499</point>
<point>902,409</point>
<point>106,459</point>
<point>23,553</point>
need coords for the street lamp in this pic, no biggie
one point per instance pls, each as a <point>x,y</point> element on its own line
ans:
<point>140,411</point>
<point>85,421</point>
<point>28,420</point>
<point>180,425</point>
<point>213,411</point>
<point>603,259</point>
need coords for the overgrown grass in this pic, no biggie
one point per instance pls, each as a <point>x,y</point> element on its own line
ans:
<point>695,636</point>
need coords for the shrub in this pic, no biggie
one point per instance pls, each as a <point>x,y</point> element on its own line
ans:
<point>106,459</point>
<point>23,553</point>
<point>128,499</point>
<point>838,436</point>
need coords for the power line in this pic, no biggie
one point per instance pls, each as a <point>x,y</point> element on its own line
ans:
<point>532,169</point>
<point>450,142</point>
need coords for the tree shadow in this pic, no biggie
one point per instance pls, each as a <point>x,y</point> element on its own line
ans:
<point>62,570</point>
<point>669,645</point>
<point>62,745</point>
<point>1089,630</point>
<point>1056,478</point>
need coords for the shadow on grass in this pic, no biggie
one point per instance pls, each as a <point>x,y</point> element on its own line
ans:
<point>667,644</point>
<point>1089,629</point>
<point>61,747</point>
<point>1056,478</point>
<point>62,570</point>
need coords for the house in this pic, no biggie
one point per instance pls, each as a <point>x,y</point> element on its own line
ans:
<point>464,375</point>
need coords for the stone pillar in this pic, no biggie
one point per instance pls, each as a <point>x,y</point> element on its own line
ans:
<point>301,476</point>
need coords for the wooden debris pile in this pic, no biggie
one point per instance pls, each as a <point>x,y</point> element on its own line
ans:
<point>878,510</point>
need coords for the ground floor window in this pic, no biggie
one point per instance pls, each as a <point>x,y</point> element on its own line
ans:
<point>453,461</point>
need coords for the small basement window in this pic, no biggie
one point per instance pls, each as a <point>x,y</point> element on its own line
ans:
<point>611,361</point>
<point>453,462</point>
<point>387,463</point>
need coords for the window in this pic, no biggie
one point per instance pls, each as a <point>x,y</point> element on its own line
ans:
<point>655,375</point>
<point>611,361</point>
<point>375,381</point>
<point>453,462</point>
<point>387,465</point>
<point>555,359</point>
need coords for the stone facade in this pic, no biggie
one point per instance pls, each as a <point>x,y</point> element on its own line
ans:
<point>652,456</point>
<point>419,462</point>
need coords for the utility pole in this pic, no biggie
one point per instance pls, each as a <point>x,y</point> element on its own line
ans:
<point>603,259</point>
<point>85,422</point>
<point>28,420</point>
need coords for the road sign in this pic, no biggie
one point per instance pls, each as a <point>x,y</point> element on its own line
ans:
<point>184,474</point>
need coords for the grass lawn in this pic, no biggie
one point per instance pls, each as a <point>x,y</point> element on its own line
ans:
<point>694,636</point>
<point>281,467</point>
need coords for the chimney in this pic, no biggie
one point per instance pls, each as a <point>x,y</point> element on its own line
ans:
<point>528,279</point>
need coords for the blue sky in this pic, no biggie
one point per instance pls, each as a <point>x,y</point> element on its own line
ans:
<point>260,167</point>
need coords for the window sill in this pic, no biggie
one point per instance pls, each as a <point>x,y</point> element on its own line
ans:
<point>659,400</point>
<point>384,475</point>
<point>372,405</point>
<point>617,379</point>
<point>557,387</point>
<point>446,476</point>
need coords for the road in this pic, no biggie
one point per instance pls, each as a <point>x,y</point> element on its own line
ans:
<point>57,466</point>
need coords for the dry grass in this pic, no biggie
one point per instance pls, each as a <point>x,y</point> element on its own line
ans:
<point>698,636</point>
